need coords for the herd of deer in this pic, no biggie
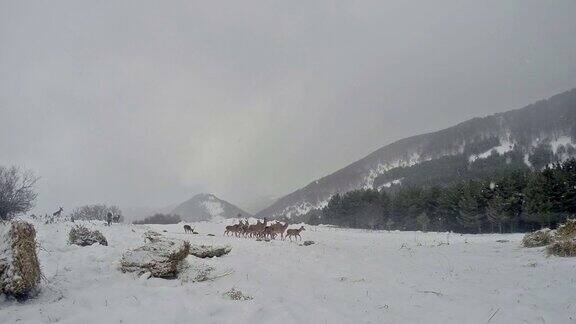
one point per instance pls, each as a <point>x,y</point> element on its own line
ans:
<point>262,230</point>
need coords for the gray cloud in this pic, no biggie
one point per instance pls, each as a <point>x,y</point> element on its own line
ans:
<point>145,103</point>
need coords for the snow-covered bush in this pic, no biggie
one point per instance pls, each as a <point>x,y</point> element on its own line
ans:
<point>81,235</point>
<point>541,237</point>
<point>19,266</point>
<point>96,212</point>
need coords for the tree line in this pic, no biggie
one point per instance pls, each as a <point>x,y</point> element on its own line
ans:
<point>515,201</point>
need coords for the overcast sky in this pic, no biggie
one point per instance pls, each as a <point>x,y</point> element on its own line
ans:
<point>146,103</point>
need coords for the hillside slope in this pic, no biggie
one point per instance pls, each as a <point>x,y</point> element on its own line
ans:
<point>550,122</point>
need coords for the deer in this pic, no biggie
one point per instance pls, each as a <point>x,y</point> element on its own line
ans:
<point>256,229</point>
<point>278,228</point>
<point>188,229</point>
<point>267,231</point>
<point>295,233</point>
<point>57,213</point>
<point>244,225</point>
<point>232,229</point>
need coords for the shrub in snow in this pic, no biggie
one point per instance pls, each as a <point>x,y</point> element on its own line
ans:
<point>306,243</point>
<point>566,231</point>
<point>81,235</point>
<point>564,243</point>
<point>563,248</point>
<point>208,251</point>
<point>19,266</point>
<point>162,258</point>
<point>539,238</point>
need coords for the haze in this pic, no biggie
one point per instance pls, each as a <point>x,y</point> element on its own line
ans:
<point>146,103</point>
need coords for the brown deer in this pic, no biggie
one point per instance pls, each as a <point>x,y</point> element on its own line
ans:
<point>57,213</point>
<point>188,229</point>
<point>295,233</point>
<point>257,229</point>
<point>278,228</point>
<point>267,231</point>
<point>232,229</point>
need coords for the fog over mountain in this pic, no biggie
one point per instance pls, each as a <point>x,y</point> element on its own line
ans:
<point>145,103</point>
<point>532,137</point>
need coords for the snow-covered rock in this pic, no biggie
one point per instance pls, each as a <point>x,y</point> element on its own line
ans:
<point>161,258</point>
<point>209,251</point>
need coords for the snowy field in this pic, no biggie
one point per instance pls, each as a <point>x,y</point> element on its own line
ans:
<point>348,276</point>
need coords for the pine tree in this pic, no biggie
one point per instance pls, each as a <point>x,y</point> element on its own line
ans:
<point>469,215</point>
<point>495,211</point>
<point>423,221</point>
<point>539,206</point>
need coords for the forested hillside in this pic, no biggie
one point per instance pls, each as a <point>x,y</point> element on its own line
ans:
<point>509,201</point>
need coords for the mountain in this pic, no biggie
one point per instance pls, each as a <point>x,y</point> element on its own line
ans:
<point>528,137</point>
<point>205,207</point>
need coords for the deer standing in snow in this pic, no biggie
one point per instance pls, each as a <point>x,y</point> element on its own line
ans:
<point>278,228</point>
<point>188,229</point>
<point>57,213</point>
<point>295,233</point>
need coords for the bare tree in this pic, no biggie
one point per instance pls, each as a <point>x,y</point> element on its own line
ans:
<point>17,193</point>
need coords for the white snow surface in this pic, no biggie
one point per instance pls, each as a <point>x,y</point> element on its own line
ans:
<point>348,276</point>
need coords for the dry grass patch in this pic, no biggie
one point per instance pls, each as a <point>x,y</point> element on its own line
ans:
<point>19,266</point>
<point>539,238</point>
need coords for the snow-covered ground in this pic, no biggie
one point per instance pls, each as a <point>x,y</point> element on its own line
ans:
<point>348,276</point>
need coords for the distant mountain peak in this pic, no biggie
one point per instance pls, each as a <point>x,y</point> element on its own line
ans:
<point>206,206</point>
